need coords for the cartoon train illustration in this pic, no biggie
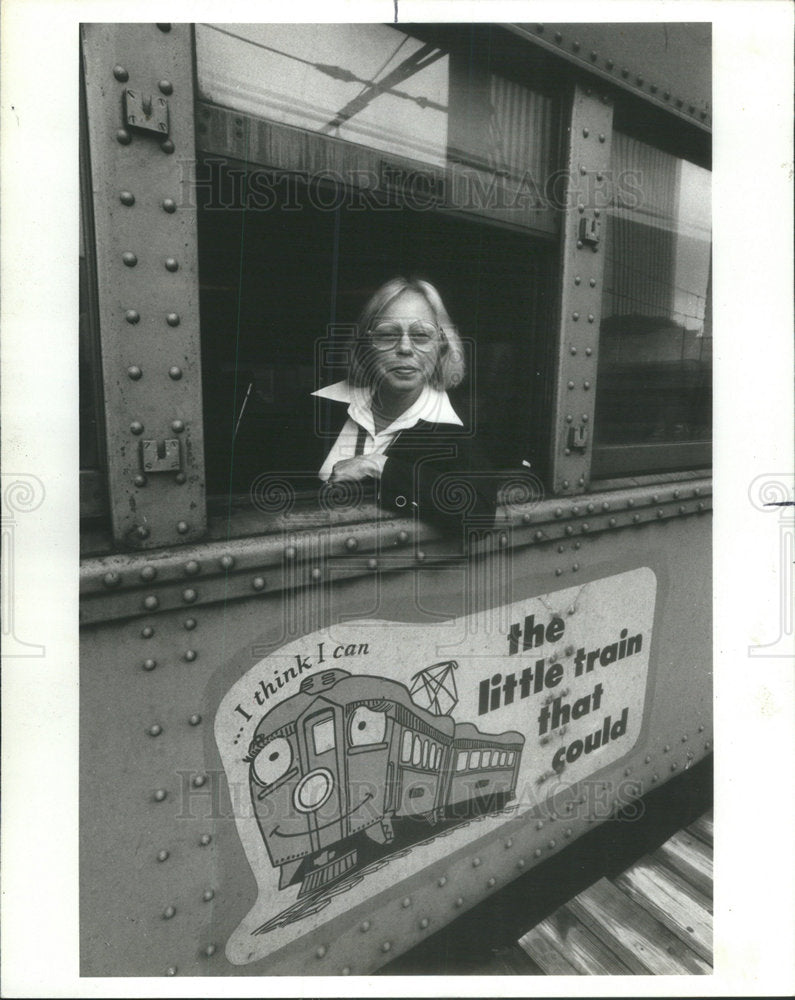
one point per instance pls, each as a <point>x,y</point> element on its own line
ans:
<point>356,754</point>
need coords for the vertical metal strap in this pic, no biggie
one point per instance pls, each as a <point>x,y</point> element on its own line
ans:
<point>139,95</point>
<point>590,188</point>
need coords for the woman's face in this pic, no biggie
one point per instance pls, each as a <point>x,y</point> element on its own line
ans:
<point>405,347</point>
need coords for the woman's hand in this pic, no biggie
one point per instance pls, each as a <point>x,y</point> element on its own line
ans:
<point>358,467</point>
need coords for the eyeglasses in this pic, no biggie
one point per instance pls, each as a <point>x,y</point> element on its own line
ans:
<point>387,333</point>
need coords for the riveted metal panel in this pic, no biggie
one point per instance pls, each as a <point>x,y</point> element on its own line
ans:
<point>588,194</point>
<point>145,225</point>
<point>165,879</point>
<point>667,64</point>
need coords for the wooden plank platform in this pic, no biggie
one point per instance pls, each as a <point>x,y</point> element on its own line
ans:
<point>654,918</point>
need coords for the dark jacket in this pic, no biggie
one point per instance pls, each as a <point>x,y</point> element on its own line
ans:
<point>438,473</point>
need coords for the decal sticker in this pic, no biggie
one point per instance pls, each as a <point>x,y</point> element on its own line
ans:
<point>364,752</point>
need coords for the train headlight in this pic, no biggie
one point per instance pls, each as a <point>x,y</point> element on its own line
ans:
<point>313,790</point>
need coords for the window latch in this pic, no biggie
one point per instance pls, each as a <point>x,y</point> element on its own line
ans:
<point>578,438</point>
<point>142,111</point>
<point>590,226</point>
<point>161,456</point>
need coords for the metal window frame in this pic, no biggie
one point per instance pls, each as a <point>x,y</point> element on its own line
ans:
<point>147,279</point>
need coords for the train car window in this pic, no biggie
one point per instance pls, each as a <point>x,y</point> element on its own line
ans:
<point>367,727</point>
<point>510,757</point>
<point>654,385</point>
<point>417,756</point>
<point>315,186</point>
<point>323,736</point>
<point>405,752</point>
<point>425,749</point>
<point>461,762</point>
<point>474,760</point>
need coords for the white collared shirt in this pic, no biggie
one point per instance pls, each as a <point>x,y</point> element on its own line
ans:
<point>432,405</point>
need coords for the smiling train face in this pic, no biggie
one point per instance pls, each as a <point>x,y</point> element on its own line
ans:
<point>316,768</point>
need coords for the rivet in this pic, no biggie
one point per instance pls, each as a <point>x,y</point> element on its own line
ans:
<point>121,74</point>
<point>129,258</point>
<point>682,510</point>
<point>321,951</point>
<point>569,529</point>
<point>132,316</point>
<point>166,87</point>
<point>155,730</point>
<point>630,502</point>
<point>190,655</point>
<point>386,946</point>
<point>151,602</point>
<point>575,510</point>
<point>627,771</point>
<point>169,205</point>
<point>178,426</point>
<point>558,512</point>
<point>707,745</point>
<point>424,923</point>
<point>111,579</point>
<point>171,264</point>
<point>561,548</point>
<point>653,88</point>
<point>593,56</point>
<point>149,664</point>
<point>442,881</point>
<point>575,316</point>
<point>526,518</point>
<point>180,478</point>
<point>172,319</point>
<point>660,512</point>
<point>420,555</point>
<point>585,133</point>
<point>372,564</point>
<point>700,506</point>
<point>346,970</point>
<point>586,384</point>
<point>538,536</point>
<point>403,537</point>
<point>558,36</point>
<point>189,595</point>
<point>205,839</point>
<point>290,552</point>
<point>625,72</point>
<point>351,544</point>
<point>674,766</point>
<point>572,350</point>
<point>679,102</point>
<point>575,46</point>
<point>258,583</point>
<point>192,567</point>
<point>142,531</point>
<point>648,758</point>
<point>697,491</point>
<point>209,951</point>
<point>491,882</point>
<point>600,177</point>
<point>581,208</point>
<point>537,852</point>
<point>476,862</point>
<point>667,95</point>
<point>589,351</point>
<point>165,28</point>
<point>655,778</point>
<point>571,385</point>
<point>577,279</point>
<point>459,901</point>
<point>579,244</point>
<point>612,522</point>
<point>227,562</point>
<point>175,373</point>
<point>558,572</point>
<point>195,719</point>
<point>316,573</point>
<point>147,632</point>
<point>583,171</point>
<point>127,198</point>
<point>189,624</point>
<point>569,418</point>
<point>639,81</point>
<point>565,484</point>
<point>182,527</point>
<point>601,137</point>
<point>585,527</point>
<point>169,912</point>
<point>701,728</point>
<point>636,518</point>
<point>162,855</point>
<point>364,927</point>
<point>590,317</point>
<point>610,64</point>
<point>123,137</point>
<point>199,780</point>
<point>167,146</point>
<point>160,795</point>
<point>207,895</point>
<point>406,902</point>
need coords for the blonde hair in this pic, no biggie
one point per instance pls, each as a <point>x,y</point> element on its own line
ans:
<point>450,367</point>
